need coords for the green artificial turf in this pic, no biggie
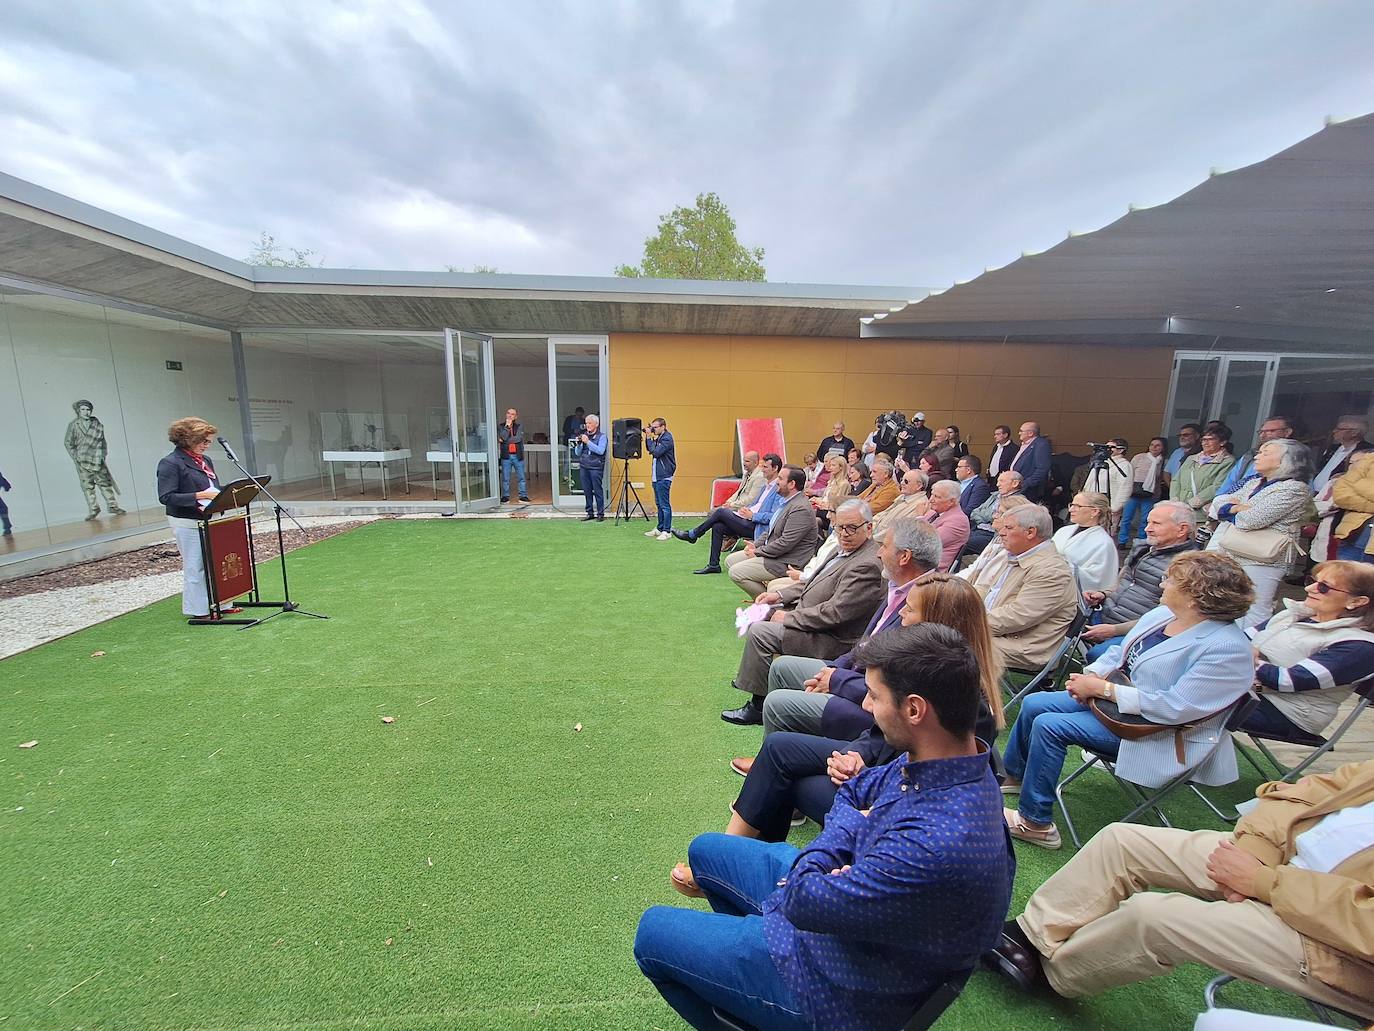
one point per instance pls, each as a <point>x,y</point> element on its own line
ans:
<point>216,830</point>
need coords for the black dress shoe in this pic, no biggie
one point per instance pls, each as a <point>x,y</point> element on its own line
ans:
<point>524,499</point>
<point>684,535</point>
<point>706,569</point>
<point>1016,959</point>
<point>750,714</point>
<point>587,518</point>
<point>601,519</point>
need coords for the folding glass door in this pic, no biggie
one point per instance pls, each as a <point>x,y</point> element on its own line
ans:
<point>577,380</point>
<point>472,403</point>
<point>1235,388</point>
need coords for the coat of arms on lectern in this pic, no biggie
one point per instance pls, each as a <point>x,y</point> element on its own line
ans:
<point>231,566</point>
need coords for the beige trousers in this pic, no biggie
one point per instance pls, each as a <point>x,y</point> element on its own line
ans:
<point>1098,926</point>
<point>749,574</point>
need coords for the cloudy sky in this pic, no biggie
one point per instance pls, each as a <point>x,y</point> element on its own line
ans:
<point>907,143</point>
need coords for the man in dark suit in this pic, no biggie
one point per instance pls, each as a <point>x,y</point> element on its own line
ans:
<point>1002,451</point>
<point>822,617</point>
<point>790,539</point>
<point>973,489</point>
<point>1032,461</point>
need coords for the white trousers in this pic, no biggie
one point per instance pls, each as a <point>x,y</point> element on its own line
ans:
<point>1266,579</point>
<point>195,596</point>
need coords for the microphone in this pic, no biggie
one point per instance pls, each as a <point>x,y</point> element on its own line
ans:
<point>227,449</point>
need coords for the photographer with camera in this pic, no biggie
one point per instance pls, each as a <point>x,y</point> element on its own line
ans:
<point>1107,472</point>
<point>591,461</point>
<point>659,443</point>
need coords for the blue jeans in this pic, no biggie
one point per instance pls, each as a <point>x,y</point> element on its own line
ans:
<point>591,490</point>
<point>1353,550</point>
<point>1265,718</point>
<point>1134,506</point>
<point>1101,648</point>
<point>4,514</point>
<point>1048,723</point>
<point>699,960</point>
<point>508,463</point>
<point>662,488</point>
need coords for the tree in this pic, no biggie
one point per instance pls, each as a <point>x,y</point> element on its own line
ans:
<point>267,253</point>
<point>698,243</point>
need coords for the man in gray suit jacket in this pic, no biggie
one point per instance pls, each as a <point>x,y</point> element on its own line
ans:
<point>790,540</point>
<point>821,618</point>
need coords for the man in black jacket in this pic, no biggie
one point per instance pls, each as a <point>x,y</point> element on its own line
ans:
<point>510,436</point>
<point>663,459</point>
<point>838,443</point>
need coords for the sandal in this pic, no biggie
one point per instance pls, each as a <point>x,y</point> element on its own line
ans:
<point>1011,787</point>
<point>1018,828</point>
<point>684,883</point>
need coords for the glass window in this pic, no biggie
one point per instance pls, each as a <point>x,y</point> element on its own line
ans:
<point>1315,392</point>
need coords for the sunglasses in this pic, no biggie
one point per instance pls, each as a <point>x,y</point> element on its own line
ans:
<point>1325,588</point>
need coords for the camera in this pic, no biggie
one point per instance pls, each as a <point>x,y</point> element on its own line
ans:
<point>890,426</point>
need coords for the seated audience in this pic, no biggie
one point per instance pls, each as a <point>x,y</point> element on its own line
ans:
<point>821,618</point>
<point>1169,531</point>
<point>1354,494</point>
<point>1185,662</point>
<point>929,464</point>
<point>882,489</point>
<point>833,465</point>
<point>858,479</point>
<point>812,467</point>
<point>1310,656</point>
<point>751,486</point>
<point>799,768</point>
<point>835,444</point>
<point>911,500</point>
<point>973,489</point>
<point>1276,503</point>
<point>907,549</point>
<point>948,519</point>
<point>1201,474</point>
<point>836,491</point>
<point>901,891</point>
<point>806,572</point>
<point>734,522</point>
<point>1147,488</point>
<point>1086,542</point>
<point>1283,900</point>
<point>982,533</point>
<point>789,538</point>
<point>1033,602</point>
<point>991,562</point>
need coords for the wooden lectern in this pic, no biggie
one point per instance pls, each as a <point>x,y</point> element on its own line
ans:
<point>226,547</point>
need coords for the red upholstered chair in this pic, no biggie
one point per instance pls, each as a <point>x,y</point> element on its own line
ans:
<point>761,435</point>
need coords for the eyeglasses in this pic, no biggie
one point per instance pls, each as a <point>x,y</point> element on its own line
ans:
<point>1325,588</point>
<point>845,531</point>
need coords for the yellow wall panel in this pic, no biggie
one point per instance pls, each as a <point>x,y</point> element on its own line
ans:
<point>980,358</point>
<point>902,356</point>
<point>762,393</point>
<point>1124,396</point>
<point>906,392</point>
<point>636,386</point>
<point>786,354</point>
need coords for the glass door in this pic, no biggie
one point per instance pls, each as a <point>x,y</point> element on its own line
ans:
<point>471,404</point>
<point>1192,392</point>
<point>1238,389</point>
<point>1245,386</point>
<point>577,388</point>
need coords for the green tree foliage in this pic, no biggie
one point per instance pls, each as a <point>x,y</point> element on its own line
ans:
<point>698,243</point>
<point>267,253</point>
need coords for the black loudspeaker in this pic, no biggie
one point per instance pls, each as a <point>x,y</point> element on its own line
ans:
<point>627,438</point>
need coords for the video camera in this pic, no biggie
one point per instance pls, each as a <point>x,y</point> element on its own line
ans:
<point>890,426</point>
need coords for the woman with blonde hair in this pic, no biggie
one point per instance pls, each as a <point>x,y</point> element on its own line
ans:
<point>836,490</point>
<point>186,482</point>
<point>795,771</point>
<point>1086,542</point>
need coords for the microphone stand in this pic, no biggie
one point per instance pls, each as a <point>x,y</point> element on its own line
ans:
<point>287,605</point>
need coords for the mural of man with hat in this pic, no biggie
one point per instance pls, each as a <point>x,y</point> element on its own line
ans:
<point>85,442</point>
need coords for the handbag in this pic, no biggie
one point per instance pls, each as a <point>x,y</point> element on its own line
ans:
<point>1267,545</point>
<point>1131,726</point>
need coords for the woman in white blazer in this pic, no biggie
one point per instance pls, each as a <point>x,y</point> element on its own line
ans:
<point>1087,544</point>
<point>1184,661</point>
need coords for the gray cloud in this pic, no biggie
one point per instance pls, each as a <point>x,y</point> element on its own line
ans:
<point>883,143</point>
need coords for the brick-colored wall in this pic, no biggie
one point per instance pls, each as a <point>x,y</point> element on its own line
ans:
<point>702,384</point>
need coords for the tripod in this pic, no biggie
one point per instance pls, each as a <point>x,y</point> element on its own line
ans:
<point>286,605</point>
<point>623,508</point>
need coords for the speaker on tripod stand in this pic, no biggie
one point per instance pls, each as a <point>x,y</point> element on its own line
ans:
<point>627,442</point>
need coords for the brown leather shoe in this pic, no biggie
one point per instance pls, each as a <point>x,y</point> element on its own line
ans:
<point>742,765</point>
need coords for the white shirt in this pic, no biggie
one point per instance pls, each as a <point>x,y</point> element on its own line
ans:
<point>1320,481</point>
<point>1334,839</point>
<point>1092,553</point>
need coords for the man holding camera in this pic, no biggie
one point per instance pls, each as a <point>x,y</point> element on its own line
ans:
<point>659,443</point>
<point>511,437</point>
<point>591,463</point>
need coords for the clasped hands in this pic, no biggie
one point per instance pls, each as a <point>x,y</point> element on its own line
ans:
<point>772,598</point>
<point>1082,686</point>
<point>844,766</point>
<point>1233,869</point>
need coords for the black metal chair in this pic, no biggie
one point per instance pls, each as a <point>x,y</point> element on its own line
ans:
<point>936,1003</point>
<point>1051,675</point>
<point>1319,745</point>
<point>1151,798</point>
<point>1324,1014</point>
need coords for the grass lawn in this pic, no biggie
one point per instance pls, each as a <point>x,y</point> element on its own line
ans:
<point>216,830</point>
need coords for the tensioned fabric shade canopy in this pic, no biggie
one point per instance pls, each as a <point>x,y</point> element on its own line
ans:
<point>1282,249</point>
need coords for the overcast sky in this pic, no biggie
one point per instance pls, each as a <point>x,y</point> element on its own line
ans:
<point>904,143</point>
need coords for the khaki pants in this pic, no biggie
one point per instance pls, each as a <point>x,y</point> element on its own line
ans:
<point>1098,926</point>
<point>750,574</point>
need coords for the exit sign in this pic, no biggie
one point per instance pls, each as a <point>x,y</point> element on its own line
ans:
<point>174,366</point>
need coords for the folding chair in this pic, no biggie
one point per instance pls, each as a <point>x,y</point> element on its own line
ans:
<point>1237,711</point>
<point>1325,1014</point>
<point>958,559</point>
<point>936,1003</point>
<point>1051,675</point>
<point>1319,745</point>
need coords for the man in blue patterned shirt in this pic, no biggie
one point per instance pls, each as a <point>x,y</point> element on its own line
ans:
<point>905,887</point>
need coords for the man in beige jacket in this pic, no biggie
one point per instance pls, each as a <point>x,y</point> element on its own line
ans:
<point>1286,900</point>
<point>1031,604</point>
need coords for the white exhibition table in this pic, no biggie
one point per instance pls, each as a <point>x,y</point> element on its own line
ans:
<point>401,455</point>
<point>438,458</point>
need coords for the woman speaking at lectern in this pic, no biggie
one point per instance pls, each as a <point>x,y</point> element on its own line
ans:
<point>186,482</point>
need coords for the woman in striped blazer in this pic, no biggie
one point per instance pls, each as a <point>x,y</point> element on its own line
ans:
<point>1184,662</point>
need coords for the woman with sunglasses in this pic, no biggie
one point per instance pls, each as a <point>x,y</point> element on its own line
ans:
<point>1311,655</point>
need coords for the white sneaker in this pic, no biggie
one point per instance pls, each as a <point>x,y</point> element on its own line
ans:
<point>650,533</point>
<point>665,536</point>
